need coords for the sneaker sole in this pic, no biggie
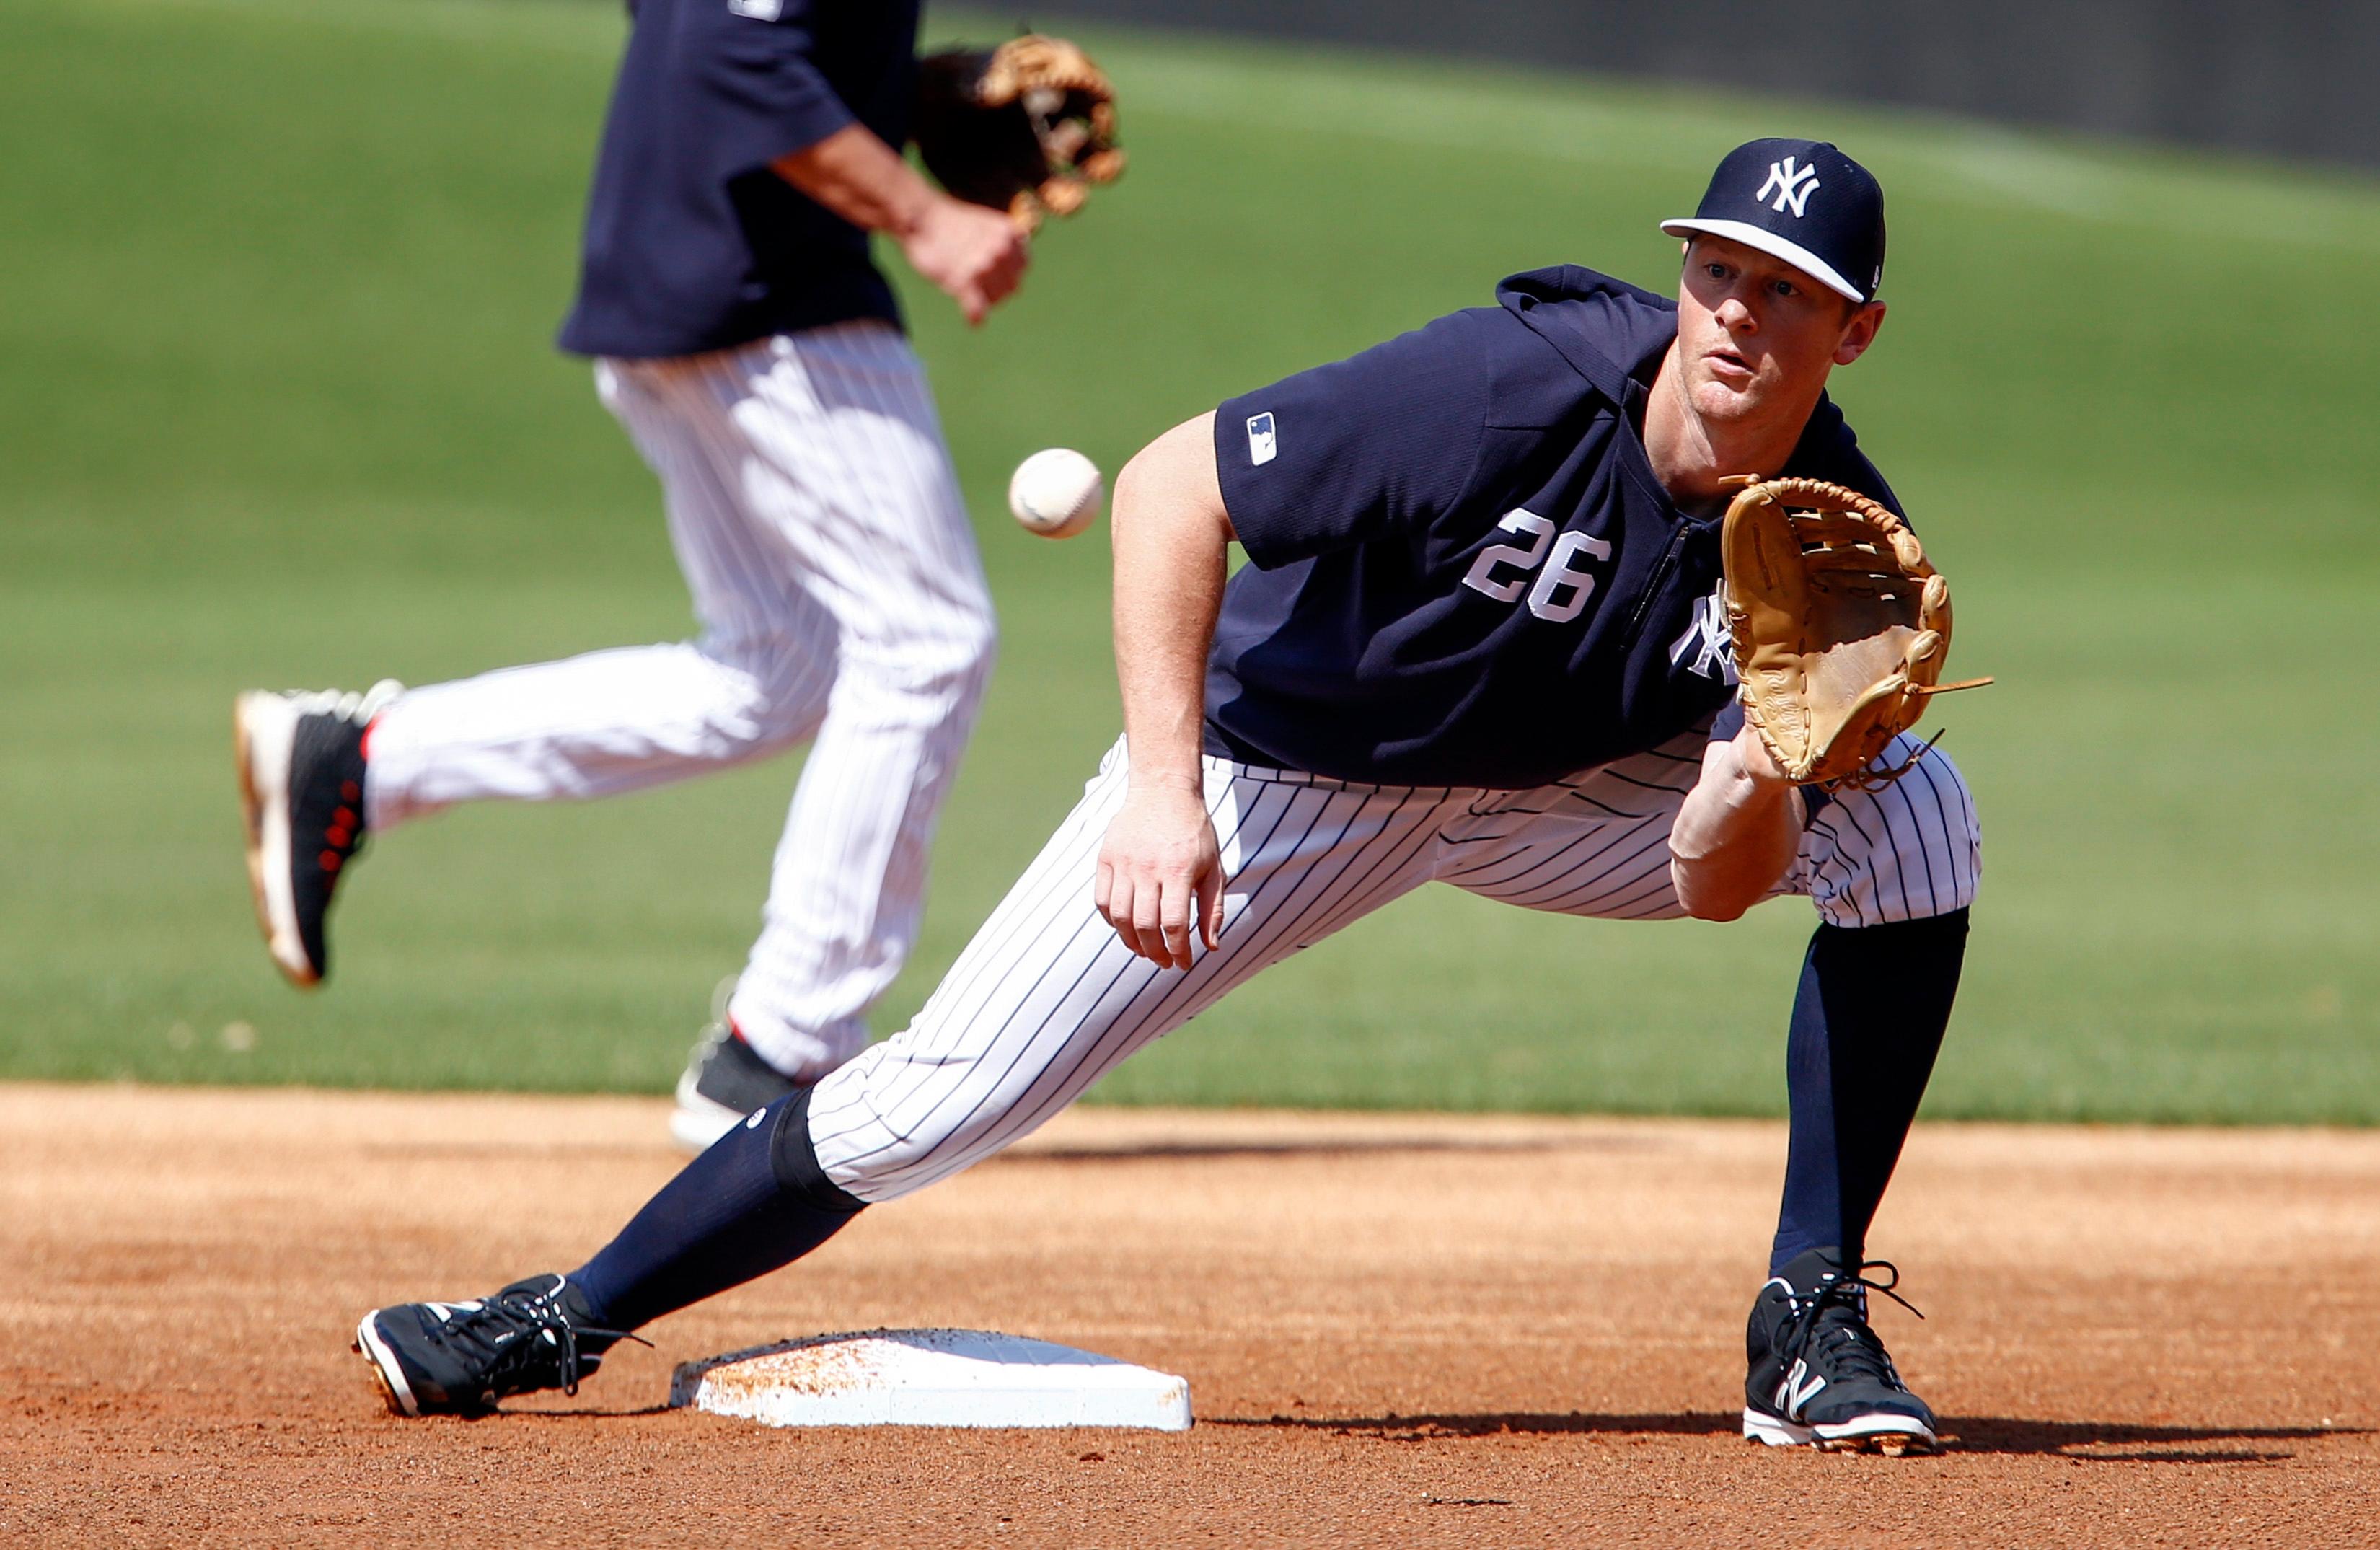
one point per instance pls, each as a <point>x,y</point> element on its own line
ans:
<point>263,730</point>
<point>697,1123</point>
<point>1896,1436</point>
<point>385,1370</point>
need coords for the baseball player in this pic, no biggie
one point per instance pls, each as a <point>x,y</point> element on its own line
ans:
<point>1476,642</point>
<point>756,357</point>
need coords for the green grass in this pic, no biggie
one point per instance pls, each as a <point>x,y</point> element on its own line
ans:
<point>277,405</point>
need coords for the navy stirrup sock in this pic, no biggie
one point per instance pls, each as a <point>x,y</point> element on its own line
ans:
<point>755,1202</point>
<point>1868,1020</point>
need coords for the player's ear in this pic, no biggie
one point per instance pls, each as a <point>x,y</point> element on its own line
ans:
<point>1859,331</point>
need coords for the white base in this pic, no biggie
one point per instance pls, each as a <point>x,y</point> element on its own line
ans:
<point>932,1378</point>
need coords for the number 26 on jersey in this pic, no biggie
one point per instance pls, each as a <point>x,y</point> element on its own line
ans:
<point>1561,588</point>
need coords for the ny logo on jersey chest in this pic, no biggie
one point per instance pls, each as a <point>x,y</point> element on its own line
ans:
<point>1560,592</point>
<point>1707,636</point>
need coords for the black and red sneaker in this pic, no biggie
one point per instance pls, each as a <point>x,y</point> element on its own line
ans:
<point>302,789</point>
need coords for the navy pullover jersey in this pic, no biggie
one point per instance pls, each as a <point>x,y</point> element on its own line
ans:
<point>692,243</point>
<point>1462,571</point>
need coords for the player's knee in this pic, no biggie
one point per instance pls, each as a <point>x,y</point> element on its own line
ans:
<point>1949,802</point>
<point>901,1170</point>
<point>875,1153</point>
<point>941,666</point>
<point>1905,851</point>
<point>975,645</point>
<point>1706,893</point>
<point>780,688</point>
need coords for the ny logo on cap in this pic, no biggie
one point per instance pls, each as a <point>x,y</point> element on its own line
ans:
<point>1792,185</point>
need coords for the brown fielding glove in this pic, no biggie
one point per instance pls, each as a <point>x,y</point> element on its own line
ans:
<point>1840,628</point>
<point>1026,127</point>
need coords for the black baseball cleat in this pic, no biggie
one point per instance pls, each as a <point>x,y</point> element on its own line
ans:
<point>1820,1378</point>
<point>724,1082</point>
<point>301,791</point>
<point>461,1358</point>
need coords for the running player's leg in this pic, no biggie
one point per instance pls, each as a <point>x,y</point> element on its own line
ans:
<point>1043,1001</point>
<point>756,682</point>
<point>1891,872</point>
<point>317,771</point>
<point>837,443</point>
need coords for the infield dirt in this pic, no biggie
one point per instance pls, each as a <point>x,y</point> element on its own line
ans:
<point>1398,1330</point>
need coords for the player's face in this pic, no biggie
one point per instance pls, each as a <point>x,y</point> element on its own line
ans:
<point>1757,336</point>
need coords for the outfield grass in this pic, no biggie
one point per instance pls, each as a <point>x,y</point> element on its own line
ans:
<point>277,405</point>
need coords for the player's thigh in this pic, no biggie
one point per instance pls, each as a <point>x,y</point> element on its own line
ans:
<point>848,447</point>
<point>1046,997</point>
<point>1597,845</point>
<point>746,582</point>
<point>1905,851</point>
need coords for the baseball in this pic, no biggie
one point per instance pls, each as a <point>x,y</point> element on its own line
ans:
<point>1056,492</point>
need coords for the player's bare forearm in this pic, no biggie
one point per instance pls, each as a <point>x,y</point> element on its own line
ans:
<point>860,178</point>
<point>1172,536</point>
<point>976,255</point>
<point>1737,831</point>
<point>1160,865</point>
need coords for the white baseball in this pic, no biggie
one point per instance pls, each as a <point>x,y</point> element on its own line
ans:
<point>1056,492</point>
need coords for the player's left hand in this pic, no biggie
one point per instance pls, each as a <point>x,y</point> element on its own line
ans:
<point>1159,867</point>
<point>1840,628</point>
<point>1759,766</point>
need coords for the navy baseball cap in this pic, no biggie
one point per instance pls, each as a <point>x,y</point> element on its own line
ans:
<point>1800,200</point>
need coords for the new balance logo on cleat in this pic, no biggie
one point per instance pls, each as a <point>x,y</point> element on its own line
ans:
<point>1800,1387</point>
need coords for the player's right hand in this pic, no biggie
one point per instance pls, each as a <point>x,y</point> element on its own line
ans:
<point>1158,869</point>
<point>975,253</point>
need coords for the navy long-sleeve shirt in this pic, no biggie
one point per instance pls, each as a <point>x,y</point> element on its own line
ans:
<point>693,244</point>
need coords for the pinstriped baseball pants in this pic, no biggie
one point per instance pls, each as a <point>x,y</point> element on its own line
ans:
<point>814,513</point>
<point>1046,998</point>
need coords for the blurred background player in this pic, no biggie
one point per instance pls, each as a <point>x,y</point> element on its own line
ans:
<point>754,355</point>
<point>1476,642</point>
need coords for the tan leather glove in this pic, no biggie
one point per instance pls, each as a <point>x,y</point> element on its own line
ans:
<point>1840,628</point>
<point>1026,128</point>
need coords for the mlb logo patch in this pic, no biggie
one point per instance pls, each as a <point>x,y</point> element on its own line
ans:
<point>1260,440</point>
<point>758,10</point>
